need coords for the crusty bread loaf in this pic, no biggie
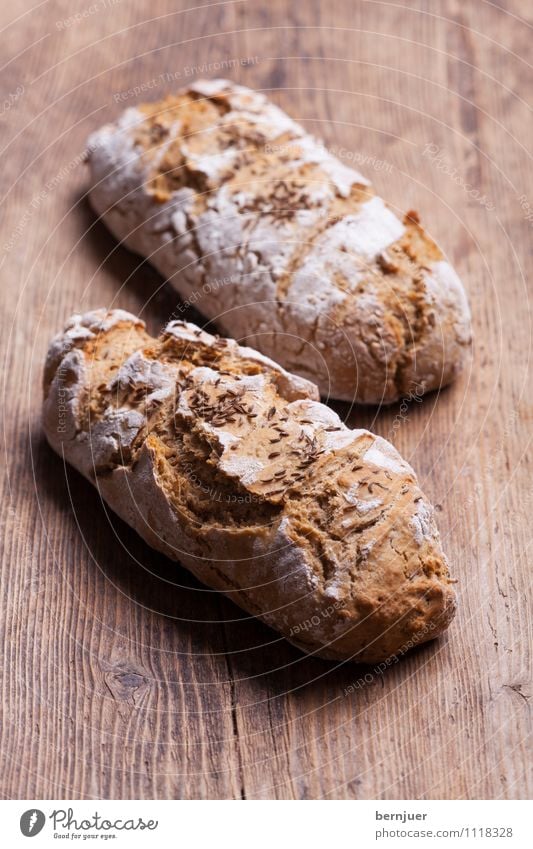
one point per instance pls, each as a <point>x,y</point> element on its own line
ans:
<point>222,460</point>
<point>258,225</point>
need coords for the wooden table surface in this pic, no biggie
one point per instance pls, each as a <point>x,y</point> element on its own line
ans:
<point>120,679</point>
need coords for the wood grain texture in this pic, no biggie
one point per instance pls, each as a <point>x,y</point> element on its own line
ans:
<point>121,676</point>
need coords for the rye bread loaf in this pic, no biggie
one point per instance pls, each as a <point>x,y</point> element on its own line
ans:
<point>225,462</point>
<point>267,233</point>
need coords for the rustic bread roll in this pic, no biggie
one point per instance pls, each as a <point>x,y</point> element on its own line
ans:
<point>222,460</point>
<point>254,222</point>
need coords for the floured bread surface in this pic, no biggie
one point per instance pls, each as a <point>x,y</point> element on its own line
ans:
<point>262,229</point>
<point>229,464</point>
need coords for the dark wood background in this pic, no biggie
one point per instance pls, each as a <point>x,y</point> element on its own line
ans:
<point>121,676</point>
